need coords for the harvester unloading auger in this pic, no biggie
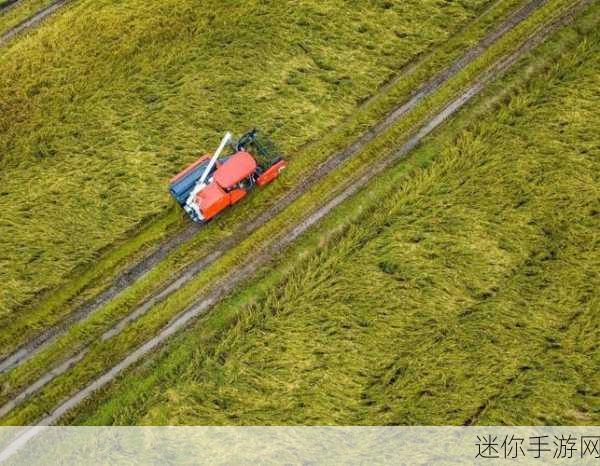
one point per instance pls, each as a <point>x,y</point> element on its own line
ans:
<point>209,185</point>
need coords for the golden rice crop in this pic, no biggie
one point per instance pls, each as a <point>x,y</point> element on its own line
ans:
<point>468,295</point>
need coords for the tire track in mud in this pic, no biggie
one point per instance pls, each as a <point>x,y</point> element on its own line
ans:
<point>286,237</point>
<point>32,20</point>
<point>45,339</point>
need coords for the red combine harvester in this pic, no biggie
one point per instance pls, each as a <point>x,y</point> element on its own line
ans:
<point>209,185</point>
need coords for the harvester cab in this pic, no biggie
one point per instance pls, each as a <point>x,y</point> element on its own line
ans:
<point>213,183</point>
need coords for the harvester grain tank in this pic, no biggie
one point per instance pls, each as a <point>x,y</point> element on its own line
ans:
<point>213,183</point>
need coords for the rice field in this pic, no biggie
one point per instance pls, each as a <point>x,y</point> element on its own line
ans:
<point>463,292</point>
<point>466,296</point>
<point>106,100</point>
<point>102,354</point>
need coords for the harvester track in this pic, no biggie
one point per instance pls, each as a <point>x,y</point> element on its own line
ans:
<point>126,279</point>
<point>32,21</point>
<point>284,238</point>
<point>9,5</point>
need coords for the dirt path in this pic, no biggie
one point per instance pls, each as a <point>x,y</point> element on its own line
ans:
<point>32,21</point>
<point>286,237</point>
<point>9,5</point>
<point>45,339</point>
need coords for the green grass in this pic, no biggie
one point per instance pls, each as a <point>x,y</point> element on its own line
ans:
<point>20,12</point>
<point>102,354</point>
<point>107,100</point>
<point>466,295</point>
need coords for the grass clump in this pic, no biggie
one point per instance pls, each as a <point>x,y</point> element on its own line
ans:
<point>107,100</point>
<point>466,296</point>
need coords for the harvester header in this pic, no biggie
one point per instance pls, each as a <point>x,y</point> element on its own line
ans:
<point>214,182</point>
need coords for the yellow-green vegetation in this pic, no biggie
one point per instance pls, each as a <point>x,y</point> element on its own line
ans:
<point>463,292</point>
<point>108,99</point>
<point>59,304</point>
<point>102,354</point>
<point>20,12</point>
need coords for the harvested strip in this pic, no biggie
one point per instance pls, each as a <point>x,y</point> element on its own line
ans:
<point>122,282</point>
